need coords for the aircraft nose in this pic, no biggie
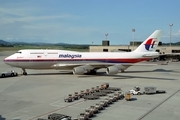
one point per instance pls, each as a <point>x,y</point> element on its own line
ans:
<point>7,60</point>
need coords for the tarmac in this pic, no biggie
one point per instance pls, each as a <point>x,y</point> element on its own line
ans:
<point>42,92</point>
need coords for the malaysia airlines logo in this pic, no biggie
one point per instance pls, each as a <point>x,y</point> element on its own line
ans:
<point>70,56</point>
<point>150,43</point>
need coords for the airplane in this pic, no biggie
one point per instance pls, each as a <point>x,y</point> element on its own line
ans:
<point>85,62</point>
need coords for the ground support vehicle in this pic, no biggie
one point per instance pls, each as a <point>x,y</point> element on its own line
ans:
<point>92,90</point>
<point>97,89</point>
<point>106,91</point>
<point>113,98</point>
<point>56,116</point>
<point>83,116</point>
<point>8,74</point>
<point>94,109</point>
<point>104,103</point>
<point>149,90</point>
<point>160,91</point>
<point>99,106</point>
<point>122,96</point>
<point>76,96</point>
<point>100,94</point>
<point>89,112</point>
<point>136,91</point>
<point>152,90</point>
<point>104,86</point>
<point>114,88</point>
<point>119,96</point>
<point>87,92</point>
<point>81,95</point>
<point>91,97</point>
<point>69,99</point>
<point>128,96</point>
<point>108,100</point>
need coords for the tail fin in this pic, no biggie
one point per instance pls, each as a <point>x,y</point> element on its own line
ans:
<point>151,43</point>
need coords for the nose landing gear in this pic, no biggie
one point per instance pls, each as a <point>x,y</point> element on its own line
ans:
<point>24,72</point>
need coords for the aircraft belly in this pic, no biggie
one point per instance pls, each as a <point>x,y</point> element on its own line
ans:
<point>36,65</point>
<point>66,65</point>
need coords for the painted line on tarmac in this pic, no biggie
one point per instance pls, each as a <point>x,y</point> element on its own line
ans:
<point>56,104</point>
<point>157,105</point>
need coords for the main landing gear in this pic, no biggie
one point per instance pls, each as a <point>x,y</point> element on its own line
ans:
<point>91,72</point>
<point>24,72</point>
<point>122,71</point>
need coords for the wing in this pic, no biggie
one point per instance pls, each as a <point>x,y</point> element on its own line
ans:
<point>93,65</point>
<point>111,68</point>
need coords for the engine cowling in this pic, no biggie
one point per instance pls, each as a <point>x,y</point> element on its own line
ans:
<point>79,70</point>
<point>115,69</point>
<point>112,70</point>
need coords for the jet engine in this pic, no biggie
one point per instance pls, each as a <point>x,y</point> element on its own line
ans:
<point>79,70</point>
<point>115,69</point>
<point>82,69</point>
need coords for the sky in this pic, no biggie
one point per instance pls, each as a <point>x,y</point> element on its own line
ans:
<point>87,21</point>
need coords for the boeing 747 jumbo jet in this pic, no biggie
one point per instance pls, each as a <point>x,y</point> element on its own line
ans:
<point>84,62</point>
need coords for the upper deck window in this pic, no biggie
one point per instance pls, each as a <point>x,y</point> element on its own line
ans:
<point>53,53</point>
<point>36,53</point>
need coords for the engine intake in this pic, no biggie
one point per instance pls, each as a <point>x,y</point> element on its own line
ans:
<point>79,70</point>
<point>112,70</point>
<point>82,69</point>
<point>115,69</point>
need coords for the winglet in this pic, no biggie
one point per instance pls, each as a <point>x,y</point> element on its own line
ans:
<point>151,43</point>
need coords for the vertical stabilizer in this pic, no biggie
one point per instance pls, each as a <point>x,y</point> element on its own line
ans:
<point>151,43</point>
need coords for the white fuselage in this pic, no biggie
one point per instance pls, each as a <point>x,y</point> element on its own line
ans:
<point>49,59</point>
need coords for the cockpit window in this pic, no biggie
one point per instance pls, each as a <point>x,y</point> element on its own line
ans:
<point>19,52</point>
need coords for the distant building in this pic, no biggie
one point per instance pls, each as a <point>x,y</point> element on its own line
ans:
<point>106,47</point>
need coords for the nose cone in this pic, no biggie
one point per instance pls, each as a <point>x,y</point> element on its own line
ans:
<point>8,60</point>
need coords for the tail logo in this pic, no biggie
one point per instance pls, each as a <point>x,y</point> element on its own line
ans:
<point>149,44</point>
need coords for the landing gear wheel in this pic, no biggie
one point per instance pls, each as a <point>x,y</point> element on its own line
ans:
<point>91,72</point>
<point>24,73</point>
